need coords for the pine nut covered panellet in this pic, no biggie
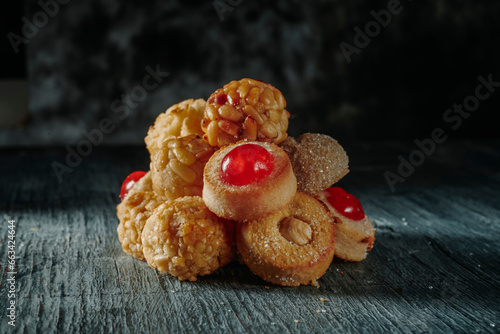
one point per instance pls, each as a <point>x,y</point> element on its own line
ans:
<point>177,167</point>
<point>245,109</point>
<point>181,119</point>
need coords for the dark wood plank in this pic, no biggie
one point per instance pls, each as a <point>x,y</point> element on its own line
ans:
<point>434,267</point>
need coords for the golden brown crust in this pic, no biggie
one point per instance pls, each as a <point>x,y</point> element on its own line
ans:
<point>177,167</point>
<point>133,212</point>
<point>184,239</point>
<point>251,201</point>
<point>245,109</point>
<point>181,119</point>
<point>275,259</point>
<point>318,161</point>
<point>355,238</point>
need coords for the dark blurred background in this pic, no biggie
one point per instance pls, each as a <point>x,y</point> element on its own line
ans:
<point>76,61</point>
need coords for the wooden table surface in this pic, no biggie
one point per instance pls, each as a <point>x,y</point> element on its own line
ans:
<point>434,267</point>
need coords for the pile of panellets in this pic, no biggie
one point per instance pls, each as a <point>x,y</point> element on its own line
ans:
<point>226,181</point>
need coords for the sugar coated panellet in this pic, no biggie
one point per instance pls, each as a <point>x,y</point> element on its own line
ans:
<point>179,120</point>
<point>184,239</point>
<point>318,161</point>
<point>177,167</point>
<point>355,237</point>
<point>245,109</point>
<point>248,180</point>
<point>291,247</point>
<point>133,212</point>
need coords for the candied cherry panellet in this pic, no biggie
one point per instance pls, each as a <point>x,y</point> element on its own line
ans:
<point>344,203</point>
<point>248,180</point>
<point>246,164</point>
<point>355,232</point>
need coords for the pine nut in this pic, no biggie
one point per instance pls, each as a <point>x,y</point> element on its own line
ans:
<point>250,128</point>
<point>229,127</point>
<point>230,113</point>
<point>184,156</point>
<point>184,172</point>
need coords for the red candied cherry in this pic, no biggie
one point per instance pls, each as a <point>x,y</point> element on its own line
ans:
<point>219,97</point>
<point>129,182</point>
<point>245,164</point>
<point>345,203</point>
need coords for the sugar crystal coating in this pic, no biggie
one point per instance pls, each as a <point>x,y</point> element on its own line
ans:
<point>277,260</point>
<point>318,161</point>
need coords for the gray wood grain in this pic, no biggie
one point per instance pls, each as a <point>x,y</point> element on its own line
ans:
<point>434,267</point>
